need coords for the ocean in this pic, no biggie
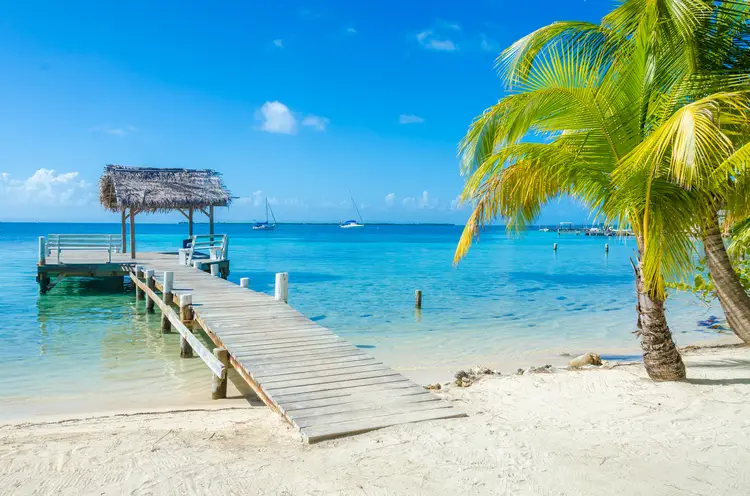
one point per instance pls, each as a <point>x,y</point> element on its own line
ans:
<point>512,302</point>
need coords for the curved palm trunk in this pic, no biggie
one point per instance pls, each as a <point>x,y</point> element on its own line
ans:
<point>660,355</point>
<point>732,296</point>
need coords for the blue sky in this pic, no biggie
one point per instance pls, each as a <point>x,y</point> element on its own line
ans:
<point>297,101</point>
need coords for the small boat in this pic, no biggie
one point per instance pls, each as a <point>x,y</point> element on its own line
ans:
<point>544,229</point>
<point>266,226</point>
<point>349,224</point>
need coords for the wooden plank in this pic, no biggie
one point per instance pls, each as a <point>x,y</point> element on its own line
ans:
<point>276,366</point>
<point>390,395</point>
<point>306,373</point>
<point>247,329</point>
<point>341,378</point>
<point>343,384</point>
<point>315,434</point>
<point>251,353</point>
<point>373,411</point>
<point>258,361</point>
<point>271,342</point>
<point>356,392</point>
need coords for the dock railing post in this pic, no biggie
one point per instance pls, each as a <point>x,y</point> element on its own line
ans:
<point>282,287</point>
<point>42,259</point>
<point>166,295</point>
<point>245,282</point>
<point>219,384</point>
<point>151,284</point>
<point>215,269</point>
<point>186,316</point>
<point>138,275</point>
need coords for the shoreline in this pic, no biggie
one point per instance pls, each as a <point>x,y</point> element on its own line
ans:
<point>239,397</point>
<point>564,432</point>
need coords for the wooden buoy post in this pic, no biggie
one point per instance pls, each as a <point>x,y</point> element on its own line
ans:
<point>282,287</point>
<point>138,274</point>
<point>166,295</point>
<point>219,384</point>
<point>418,298</point>
<point>606,247</point>
<point>245,282</point>
<point>186,316</point>
<point>151,284</point>
<point>554,247</point>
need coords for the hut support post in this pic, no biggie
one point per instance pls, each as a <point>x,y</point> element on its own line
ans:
<point>190,222</point>
<point>124,232</point>
<point>132,233</point>
<point>211,220</point>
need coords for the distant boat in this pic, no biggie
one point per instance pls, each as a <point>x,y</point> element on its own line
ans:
<point>265,226</point>
<point>348,224</point>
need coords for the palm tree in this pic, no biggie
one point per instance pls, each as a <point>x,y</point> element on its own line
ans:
<point>603,99</point>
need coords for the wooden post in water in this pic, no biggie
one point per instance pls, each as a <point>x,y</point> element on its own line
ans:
<point>166,295</point>
<point>606,247</point>
<point>186,316</point>
<point>554,247</point>
<point>418,298</point>
<point>219,384</point>
<point>42,258</point>
<point>281,292</point>
<point>138,275</point>
<point>151,284</point>
<point>245,282</point>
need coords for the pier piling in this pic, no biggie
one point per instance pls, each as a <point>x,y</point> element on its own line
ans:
<point>418,298</point>
<point>186,316</point>
<point>151,283</point>
<point>245,282</point>
<point>606,247</point>
<point>166,295</point>
<point>41,260</point>
<point>219,384</point>
<point>554,247</point>
<point>138,274</point>
<point>215,270</point>
<point>282,287</point>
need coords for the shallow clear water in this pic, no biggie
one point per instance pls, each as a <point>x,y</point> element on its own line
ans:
<point>511,302</point>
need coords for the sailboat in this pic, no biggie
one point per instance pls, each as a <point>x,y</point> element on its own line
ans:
<point>265,226</point>
<point>348,224</point>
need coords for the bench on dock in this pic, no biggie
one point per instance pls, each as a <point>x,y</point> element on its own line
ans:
<point>216,245</point>
<point>109,243</point>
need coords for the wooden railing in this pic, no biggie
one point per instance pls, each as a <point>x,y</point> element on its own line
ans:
<point>56,243</point>
<point>216,243</point>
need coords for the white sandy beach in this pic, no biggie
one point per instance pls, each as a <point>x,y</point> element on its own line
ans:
<point>604,431</point>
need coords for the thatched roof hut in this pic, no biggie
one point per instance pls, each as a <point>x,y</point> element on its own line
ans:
<point>132,190</point>
<point>150,189</point>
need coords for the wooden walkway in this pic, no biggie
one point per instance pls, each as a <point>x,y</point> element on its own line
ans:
<point>321,384</point>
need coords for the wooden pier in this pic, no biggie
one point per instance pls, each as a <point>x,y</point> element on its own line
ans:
<point>320,383</point>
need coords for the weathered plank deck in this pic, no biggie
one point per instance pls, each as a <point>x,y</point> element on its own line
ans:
<point>320,383</point>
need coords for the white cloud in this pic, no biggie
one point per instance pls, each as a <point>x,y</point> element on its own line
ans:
<point>449,25</point>
<point>389,198</point>
<point>295,202</point>
<point>46,188</point>
<point>279,43</point>
<point>257,199</point>
<point>275,117</point>
<point>409,119</point>
<point>434,41</point>
<point>316,122</point>
<point>456,203</point>
<point>115,131</point>
<point>351,30</point>
<point>422,202</point>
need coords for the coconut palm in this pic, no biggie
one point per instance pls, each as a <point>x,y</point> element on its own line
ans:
<point>602,100</point>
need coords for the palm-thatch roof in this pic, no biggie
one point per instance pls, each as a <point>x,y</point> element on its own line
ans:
<point>151,189</point>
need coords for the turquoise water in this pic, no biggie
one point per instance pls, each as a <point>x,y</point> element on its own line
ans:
<point>512,302</point>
